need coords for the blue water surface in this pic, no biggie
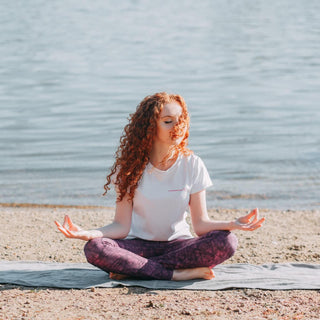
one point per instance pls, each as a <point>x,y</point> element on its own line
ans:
<point>71,72</point>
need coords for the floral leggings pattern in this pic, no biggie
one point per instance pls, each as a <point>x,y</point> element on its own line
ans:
<point>157,259</point>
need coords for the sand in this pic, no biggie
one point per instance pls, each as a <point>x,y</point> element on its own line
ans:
<point>28,233</point>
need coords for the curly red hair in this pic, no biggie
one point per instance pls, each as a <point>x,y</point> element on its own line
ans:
<point>136,143</point>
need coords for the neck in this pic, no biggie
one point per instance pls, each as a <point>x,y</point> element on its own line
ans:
<point>162,157</point>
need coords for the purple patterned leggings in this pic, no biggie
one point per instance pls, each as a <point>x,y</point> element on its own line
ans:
<point>157,259</point>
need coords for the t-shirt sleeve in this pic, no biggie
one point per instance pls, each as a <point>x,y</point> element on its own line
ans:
<point>201,179</point>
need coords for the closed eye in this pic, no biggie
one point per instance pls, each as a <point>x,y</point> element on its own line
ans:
<point>168,122</point>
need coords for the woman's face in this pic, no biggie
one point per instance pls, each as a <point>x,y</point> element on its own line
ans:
<point>168,118</point>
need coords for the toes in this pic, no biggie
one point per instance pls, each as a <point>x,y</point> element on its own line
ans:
<point>117,276</point>
<point>209,274</point>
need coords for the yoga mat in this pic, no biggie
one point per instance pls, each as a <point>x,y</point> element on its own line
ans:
<point>81,275</point>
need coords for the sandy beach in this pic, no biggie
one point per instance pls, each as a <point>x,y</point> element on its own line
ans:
<point>28,233</point>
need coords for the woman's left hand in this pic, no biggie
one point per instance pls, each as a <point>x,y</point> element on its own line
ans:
<point>249,222</point>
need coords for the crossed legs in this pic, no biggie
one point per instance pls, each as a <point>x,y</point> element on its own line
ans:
<point>180,259</point>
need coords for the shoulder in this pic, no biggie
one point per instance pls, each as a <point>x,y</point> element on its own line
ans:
<point>196,169</point>
<point>192,160</point>
<point>193,163</point>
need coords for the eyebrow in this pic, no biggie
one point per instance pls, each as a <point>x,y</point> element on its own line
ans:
<point>170,116</point>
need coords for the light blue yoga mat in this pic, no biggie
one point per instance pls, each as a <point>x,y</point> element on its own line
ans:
<point>80,276</point>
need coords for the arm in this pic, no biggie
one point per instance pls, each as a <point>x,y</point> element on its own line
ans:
<point>202,224</point>
<point>118,229</point>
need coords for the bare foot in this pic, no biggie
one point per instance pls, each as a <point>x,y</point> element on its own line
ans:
<point>118,276</point>
<point>193,273</point>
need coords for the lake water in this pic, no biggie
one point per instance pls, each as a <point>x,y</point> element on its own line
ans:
<point>72,71</point>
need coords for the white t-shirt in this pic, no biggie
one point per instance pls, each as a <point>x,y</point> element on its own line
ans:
<point>162,198</point>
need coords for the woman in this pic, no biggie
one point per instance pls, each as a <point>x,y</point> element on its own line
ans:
<point>157,178</point>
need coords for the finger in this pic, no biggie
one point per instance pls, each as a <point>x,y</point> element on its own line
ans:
<point>256,225</point>
<point>251,226</point>
<point>246,219</point>
<point>261,221</point>
<point>72,226</point>
<point>69,234</point>
<point>59,225</point>
<point>65,221</point>
<point>69,222</point>
<point>255,215</point>
<point>63,231</point>
<point>252,217</point>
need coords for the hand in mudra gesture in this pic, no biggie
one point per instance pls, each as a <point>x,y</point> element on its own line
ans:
<point>249,222</point>
<point>71,230</point>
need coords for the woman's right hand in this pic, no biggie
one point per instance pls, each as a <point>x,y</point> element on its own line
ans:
<point>73,231</point>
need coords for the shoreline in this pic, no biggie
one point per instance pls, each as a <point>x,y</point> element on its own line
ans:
<point>68,206</point>
<point>29,233</point>
<point>39,205</point>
